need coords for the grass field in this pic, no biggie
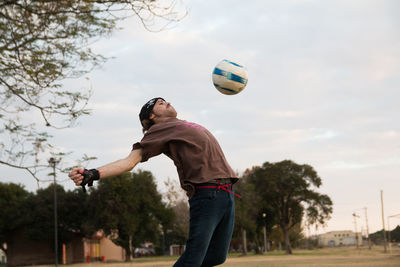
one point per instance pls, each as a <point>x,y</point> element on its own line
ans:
<point>344,257</point>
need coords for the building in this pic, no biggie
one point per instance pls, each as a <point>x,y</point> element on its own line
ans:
<point>23,251</point>
<point>100,248</point>
<point>340,238</point>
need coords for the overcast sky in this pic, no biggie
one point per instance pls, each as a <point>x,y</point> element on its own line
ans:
<point>323,90</point>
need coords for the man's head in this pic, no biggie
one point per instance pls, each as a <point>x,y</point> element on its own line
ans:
<point>154,111</point>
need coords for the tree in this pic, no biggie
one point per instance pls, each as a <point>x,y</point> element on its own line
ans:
<point>179,232</point>
<point>377,237</point>
<point>177,200</point>
<point>249,212</point>
<point>14,209</point>
<point>72,218</point>
<point>33,214</point>
<point>246,210</point>
<point>43,43</point>
<point>73,215</point>
<point>155,217</point>
<point>128,208</point>
<point>395,234</point>
<point>287,188</point>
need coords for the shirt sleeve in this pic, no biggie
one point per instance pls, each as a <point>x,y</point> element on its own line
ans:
<point>152,144</point>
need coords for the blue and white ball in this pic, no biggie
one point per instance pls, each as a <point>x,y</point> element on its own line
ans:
<point>229,77</point>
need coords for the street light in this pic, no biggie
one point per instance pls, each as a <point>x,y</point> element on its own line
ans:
<point>264,215</point>
<point>53,162</point>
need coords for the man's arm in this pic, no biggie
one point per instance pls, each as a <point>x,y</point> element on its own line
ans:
<point>122,165</point>
<point>111,169</point>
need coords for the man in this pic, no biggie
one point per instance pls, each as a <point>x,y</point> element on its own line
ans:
<point>203,172</point>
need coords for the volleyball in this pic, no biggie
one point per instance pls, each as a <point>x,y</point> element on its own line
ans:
<point>229,77</point>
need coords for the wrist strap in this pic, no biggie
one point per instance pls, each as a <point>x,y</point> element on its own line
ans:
<point>88,177</point>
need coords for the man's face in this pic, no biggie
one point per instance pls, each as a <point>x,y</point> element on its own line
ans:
<point>163,109</point>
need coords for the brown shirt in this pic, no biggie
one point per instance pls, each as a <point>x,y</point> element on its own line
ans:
<point>194,150</point>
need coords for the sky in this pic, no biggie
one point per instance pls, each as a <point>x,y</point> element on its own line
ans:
<point>323,90</point>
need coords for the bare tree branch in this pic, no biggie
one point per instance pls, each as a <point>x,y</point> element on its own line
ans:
<point>43,43</point>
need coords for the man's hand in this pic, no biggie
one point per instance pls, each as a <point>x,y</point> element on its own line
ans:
<point>76,175</point>
<point>84,177</point>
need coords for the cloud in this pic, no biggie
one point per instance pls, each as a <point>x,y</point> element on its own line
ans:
<point>322,90</point>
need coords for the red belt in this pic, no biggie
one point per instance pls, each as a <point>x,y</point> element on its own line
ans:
<point>220,186</point>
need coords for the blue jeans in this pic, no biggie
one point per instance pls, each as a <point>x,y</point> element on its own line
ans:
<point>212,216</point>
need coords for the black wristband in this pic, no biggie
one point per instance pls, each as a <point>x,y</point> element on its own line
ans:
<point>96,174</point>
<point>88,177</point>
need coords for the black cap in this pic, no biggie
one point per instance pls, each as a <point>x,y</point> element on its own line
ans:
<point>147,109</point>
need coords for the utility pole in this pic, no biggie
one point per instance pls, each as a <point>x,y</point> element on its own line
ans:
<point>355,226</point>
<point>244,242</point>
<point>389,241</point>
<point>53,162</point>
<point>163,242</point>
<point>366,220</point>
<point>383,223</point>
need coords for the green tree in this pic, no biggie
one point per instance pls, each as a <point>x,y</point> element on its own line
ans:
<point>377,237</point>
<point>155,217</point>
<point>33,214</point>
<point>395,234</point>
<point>14,210</point>
<point>296,236</point>
<point>246,210</point>
<point>177,200</point>
<point>43,43</point>
<point>287,188</point>
<point>72,215</point>
<point>249,214</point>
<point>130,211</point>
<point>179,231</point>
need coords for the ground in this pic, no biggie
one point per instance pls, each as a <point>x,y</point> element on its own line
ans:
<point>343,257</point>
